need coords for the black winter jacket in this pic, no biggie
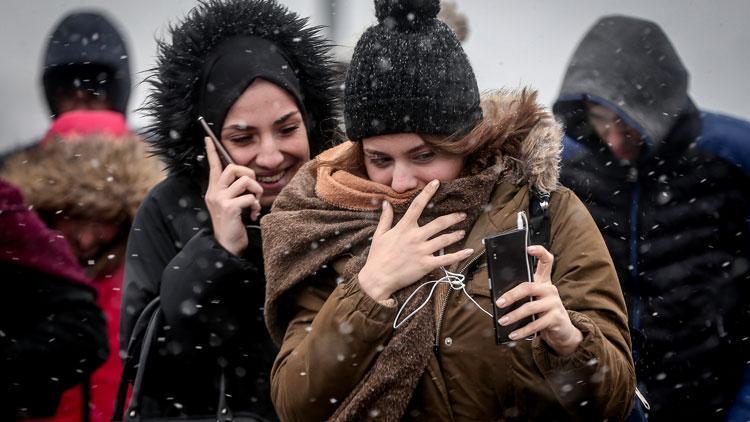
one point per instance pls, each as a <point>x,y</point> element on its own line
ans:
<point>212,303</point>
<point>52,336</point>
<point>674,220</point>
<point>52,333</point>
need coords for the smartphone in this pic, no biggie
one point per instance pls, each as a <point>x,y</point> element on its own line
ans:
<point>506,268</point>
<point>224,156</point>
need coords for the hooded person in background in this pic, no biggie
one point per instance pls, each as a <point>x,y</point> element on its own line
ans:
<point>360,231</point>
<point>668,187</point>
<point>86,180</point>
<point>85,67</point>
<point>261,78</point>
<point>52,334</point>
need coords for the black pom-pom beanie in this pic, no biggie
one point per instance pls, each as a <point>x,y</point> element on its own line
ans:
<point>409,74</point>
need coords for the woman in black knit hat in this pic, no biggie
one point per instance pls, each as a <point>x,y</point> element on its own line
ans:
<point>261,79</point>
<point>377,288</point>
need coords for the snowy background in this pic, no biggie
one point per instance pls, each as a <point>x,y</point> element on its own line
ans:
<point>511,43</point>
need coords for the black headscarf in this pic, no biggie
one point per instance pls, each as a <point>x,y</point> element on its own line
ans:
<point>233,65</point>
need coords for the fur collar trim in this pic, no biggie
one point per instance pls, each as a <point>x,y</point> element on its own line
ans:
<point>526,140</point>
<point>92,178</point>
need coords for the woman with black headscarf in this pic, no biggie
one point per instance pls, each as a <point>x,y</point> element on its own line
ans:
<point>260,77</point>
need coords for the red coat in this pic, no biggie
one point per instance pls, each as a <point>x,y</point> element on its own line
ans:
<point>105,380</point>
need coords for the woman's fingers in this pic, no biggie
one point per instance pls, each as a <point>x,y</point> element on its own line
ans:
<point>442,223</point>
<point>444,240</point>
<point>545,260</point>
<point>535,326</point>
<point>534,307</point>
<point>448,259</point>
<point>386,219</point>
<point>214,163</point>
<point>420,203</point>
<point>233,172</point>
<point>524,290</point>
<point>248,201</point>
<point>242,185</point>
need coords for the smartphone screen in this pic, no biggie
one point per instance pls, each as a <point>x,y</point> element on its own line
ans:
<point>506,266</point>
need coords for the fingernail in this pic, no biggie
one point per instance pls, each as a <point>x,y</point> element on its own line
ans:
<point>435,183</point>
<point>501,301</point>
<point>462,233</point>
<point>468,251</point>
<point>385,204</point>
<point>513,335</point>
<point>462,215</point>
<point>503,320</point>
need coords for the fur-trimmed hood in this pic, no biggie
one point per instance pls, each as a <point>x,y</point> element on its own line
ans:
<point>94,177</point>
<point>175,134</point>
<point>525,139</point>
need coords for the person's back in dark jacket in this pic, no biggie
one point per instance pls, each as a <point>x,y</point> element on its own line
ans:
<point>52,334</point>
<point>668,187</point>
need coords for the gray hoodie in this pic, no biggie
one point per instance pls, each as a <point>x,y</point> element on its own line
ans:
<point>628,65</point>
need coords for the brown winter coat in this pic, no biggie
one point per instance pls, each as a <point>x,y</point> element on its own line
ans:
<point>334,332</point>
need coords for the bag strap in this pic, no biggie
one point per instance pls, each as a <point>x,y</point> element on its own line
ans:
<point>152,311</point>
<point>132,357</point>
<point>143,344</point>
<point>539,222</point>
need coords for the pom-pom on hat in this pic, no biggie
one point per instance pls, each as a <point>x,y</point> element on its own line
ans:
<point>409,74</point>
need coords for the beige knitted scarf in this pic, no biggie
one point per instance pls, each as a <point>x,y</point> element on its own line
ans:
<point>322,215</point>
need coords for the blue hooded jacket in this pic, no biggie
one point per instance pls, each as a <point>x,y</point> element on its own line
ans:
<point>674,218</point>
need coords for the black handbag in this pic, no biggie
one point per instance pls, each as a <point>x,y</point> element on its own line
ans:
<point>135,366</point>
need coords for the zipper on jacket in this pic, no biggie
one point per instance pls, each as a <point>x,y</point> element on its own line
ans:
<point>444,305</point>
<point>635,198</point>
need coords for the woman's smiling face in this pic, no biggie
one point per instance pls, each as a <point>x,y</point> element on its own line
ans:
<point>404,162</point>
<point>264,130</point>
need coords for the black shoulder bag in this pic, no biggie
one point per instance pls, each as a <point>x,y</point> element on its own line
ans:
<point>135,366</point>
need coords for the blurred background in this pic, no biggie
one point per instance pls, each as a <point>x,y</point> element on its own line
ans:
<point>510,43</point>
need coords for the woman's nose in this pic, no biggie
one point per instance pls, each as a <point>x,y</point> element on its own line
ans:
<point>270,155</point>
<point>403,179</point>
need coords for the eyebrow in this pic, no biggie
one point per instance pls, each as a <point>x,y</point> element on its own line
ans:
<point>285,117</point>
<point>278,121</point>
<point>376,152</point>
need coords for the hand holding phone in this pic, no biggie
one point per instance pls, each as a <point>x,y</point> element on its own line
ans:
<point>552,321</point>
<point>231,190</point>
<point>507,267</point>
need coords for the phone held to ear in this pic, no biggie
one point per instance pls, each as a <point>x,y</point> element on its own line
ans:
<point>226,159</point>
<point>507,267</point>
